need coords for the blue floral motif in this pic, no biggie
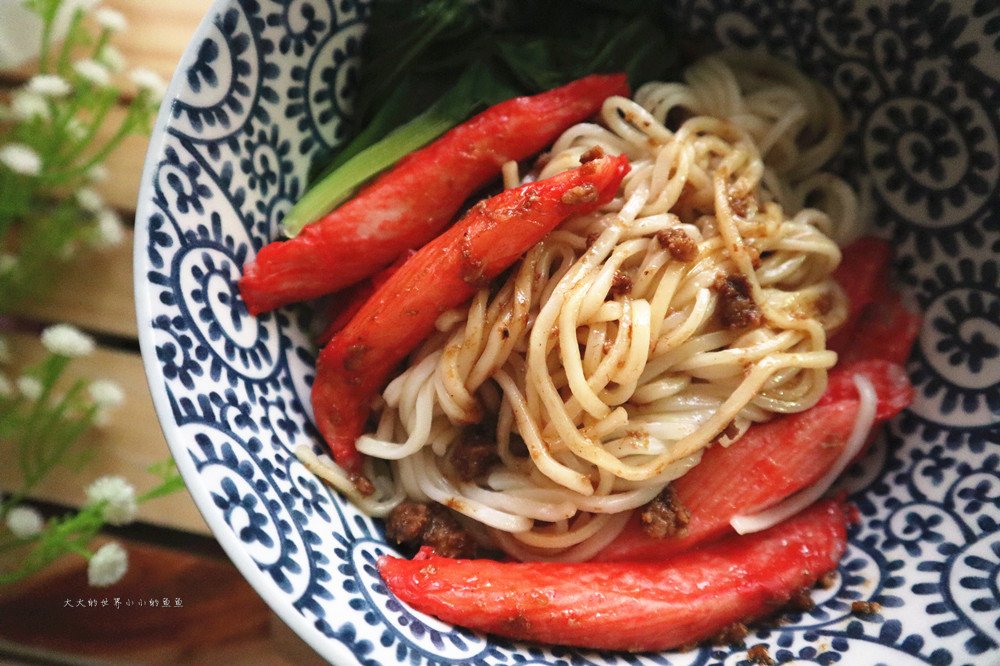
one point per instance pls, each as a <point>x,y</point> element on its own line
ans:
<point>961,367</point>
<point>175,355</point>
<point>202,68</point>
<point>157,240</point>
<point>303,23</point>
<point>320,93</point>
<point>266,89</point>
<point>237,44</point>
<point>231,501</point>
<point>266,162</point>
<point>924,139</point>
<point>975,351</point>
<point>187,190</point>
<point>231,57</point>
<point>990,8</point>
<point>739,24</point>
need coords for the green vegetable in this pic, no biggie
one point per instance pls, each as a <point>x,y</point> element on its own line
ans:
<point>474,91</point>
<point>429,66</point>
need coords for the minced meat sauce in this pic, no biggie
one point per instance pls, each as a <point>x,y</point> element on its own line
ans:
<point>475,454</point>
<point>664,516</point>
<point>416,524</point>
<point>678,243</point>
<point>737,308</point>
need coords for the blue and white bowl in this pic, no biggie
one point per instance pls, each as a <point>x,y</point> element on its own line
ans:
<point>263,89</point>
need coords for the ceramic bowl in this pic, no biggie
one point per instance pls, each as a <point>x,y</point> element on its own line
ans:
<point>264,88</point>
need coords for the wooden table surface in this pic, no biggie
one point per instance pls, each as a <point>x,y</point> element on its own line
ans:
<point>172,555</point>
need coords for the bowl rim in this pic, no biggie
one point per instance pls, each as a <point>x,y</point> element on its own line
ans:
<point>330,650</point>
<point>178,442</point>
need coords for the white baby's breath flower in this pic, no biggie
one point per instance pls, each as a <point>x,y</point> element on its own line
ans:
<point>89,199</point>
<point>106,393</point>
<point>27,106</point>
<point>29,387</point>
<point>93,72</point>
<point>6,388</point>
<point>111,58</point>
<point>148,81</point>
<point>119,497</point>
<point>24,522</point>
<point>67,251</point>
<point>21,159</point>
<point>107,566</point>
<point>8,263</point>
<point>97,173</point>
<point>76,129</point>
<point>109,231</point>
<point>49,85</point>
<point>109,19</point>
<point>67,340</point>
<point>106,396</point>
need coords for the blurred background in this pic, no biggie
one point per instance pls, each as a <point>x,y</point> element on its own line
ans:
<point>103,556</point>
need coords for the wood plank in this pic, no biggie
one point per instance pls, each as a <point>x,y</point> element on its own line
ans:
<point>124,165</point>
<point>158,32</point>
<point>155,38</point>
<point>127,445</point>
<point>221,618</point>
<point>157,35</point>
<point>95,292</point>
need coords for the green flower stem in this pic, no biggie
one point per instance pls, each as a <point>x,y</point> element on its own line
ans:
<point>126,127</point>
<point>48,373</point>
<point>40,445</point>
<point>170,479</point>
<point>17,194</point>
<point>47,439</point>
<point>16,543</point>
<point>73,34</point>
<point>102,41</point>
<point>106,101</point>
<point>73,432</point>
<point>48,11</point>
<point>39,218</point>
<point>167,487</point>
<point>58,133</point>
<point>68,534</point>
<point>24,466</point>
<point>6,578</point>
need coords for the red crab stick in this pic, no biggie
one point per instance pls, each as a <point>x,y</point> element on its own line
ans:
<point>632,606</point>
<point>410,204</point>
<point>772,461</point>
<point>884,330</point>
<point>441,275</point>
<point>769,463</point>
<point>349,301</point>
<point>863,274</point>
<point>892,386</point>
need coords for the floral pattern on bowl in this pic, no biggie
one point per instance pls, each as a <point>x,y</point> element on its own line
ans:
<point>264,89</point>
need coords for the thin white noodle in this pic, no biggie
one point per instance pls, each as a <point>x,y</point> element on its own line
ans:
<point>789,507</point>
<point>511,178</point>
<point>603,351</point>
<point>378,505</point>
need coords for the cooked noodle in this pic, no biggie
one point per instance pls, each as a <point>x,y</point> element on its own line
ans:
<point>608,356</point>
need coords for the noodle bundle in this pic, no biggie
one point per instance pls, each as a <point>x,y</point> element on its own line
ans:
<point>696,303</point>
